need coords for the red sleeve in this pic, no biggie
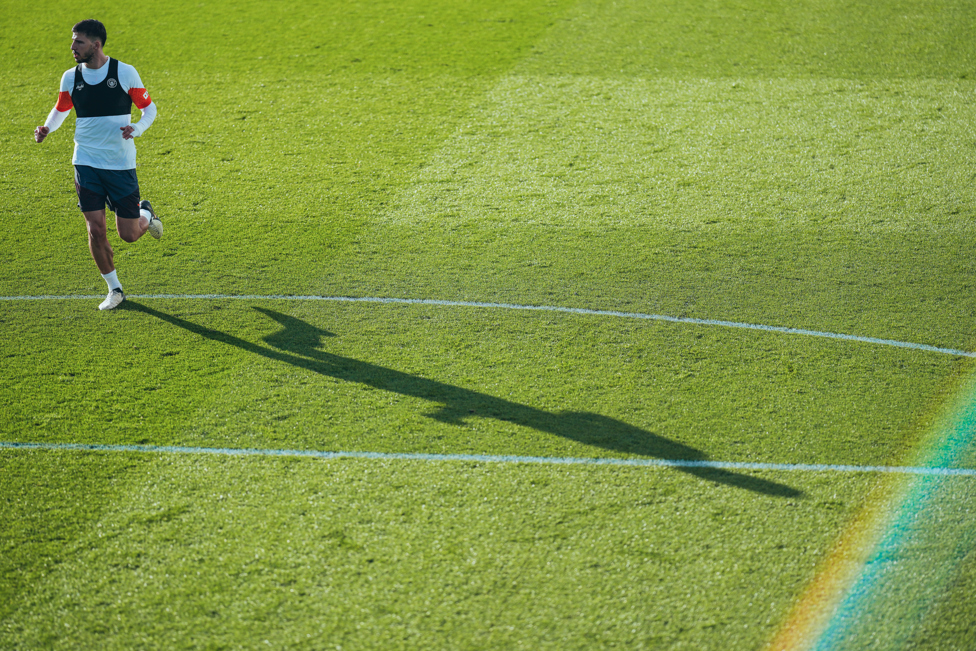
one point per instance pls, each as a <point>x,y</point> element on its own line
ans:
<point>140,97</point>
<point>64,101</point>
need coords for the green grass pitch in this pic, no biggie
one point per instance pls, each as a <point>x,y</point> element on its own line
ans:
<point>805,164</point>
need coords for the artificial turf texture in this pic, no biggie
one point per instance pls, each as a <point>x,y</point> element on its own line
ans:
<point>803,164</point>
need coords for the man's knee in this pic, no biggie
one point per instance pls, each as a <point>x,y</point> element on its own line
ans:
<point>96,224</point>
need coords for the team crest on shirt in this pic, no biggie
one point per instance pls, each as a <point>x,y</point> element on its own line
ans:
<point>112,83</point>
<point>80,87</point>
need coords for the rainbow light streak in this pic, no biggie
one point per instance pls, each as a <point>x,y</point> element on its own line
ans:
<point>891,566</point>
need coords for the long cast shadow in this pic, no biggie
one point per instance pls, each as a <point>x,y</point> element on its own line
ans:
<point>297,343</point>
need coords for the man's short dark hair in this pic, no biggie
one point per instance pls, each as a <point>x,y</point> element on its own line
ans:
<point>93,29</point>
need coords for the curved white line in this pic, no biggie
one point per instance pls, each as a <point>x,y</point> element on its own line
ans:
<point>536,308</point>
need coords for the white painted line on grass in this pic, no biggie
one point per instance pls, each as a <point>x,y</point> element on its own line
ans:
<point>490,458</point>
<point>533,308</point>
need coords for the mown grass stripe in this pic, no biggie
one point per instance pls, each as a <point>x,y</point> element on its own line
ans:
<point>489,458</point>
<point>535,308</point>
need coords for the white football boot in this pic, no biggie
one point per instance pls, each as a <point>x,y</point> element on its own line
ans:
<point>113,300</point>
<point>155,226</point>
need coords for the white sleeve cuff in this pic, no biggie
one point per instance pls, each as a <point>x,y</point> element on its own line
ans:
<point>148,115</point>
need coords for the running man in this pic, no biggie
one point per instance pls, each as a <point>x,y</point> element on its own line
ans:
<point>102,91</point>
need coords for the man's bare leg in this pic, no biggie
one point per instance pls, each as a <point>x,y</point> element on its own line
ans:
<point>131,230</point>
<point>104,256</point>
<point>98,244</point>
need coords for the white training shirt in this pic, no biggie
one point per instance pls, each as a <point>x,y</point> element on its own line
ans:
<point>98,140</point>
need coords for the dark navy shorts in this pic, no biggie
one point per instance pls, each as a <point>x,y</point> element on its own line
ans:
<point>118,188</point>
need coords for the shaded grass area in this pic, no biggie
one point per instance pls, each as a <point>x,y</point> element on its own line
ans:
<point>857,39</point>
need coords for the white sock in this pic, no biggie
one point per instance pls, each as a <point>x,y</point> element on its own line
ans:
<point>112,280</point>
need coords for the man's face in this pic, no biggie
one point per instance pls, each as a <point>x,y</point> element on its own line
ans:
<point>82,48</point>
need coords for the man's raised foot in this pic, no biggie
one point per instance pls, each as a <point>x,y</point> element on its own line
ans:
<point>155,226</point>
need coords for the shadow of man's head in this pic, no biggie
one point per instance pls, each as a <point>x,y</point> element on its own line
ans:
<point>612,434</point>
